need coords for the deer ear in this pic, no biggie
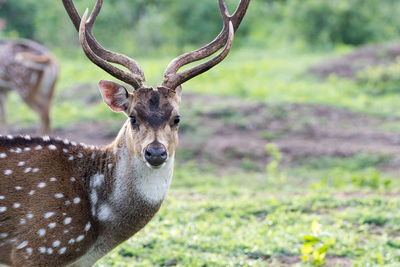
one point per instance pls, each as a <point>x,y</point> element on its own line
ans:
<point>115,95</point>
<point>178,91</point>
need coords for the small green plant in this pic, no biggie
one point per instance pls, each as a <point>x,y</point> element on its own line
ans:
<point>273,166</point>
<point>316,245</point>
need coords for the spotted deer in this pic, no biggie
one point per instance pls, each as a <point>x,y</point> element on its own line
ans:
<point>69,204</point>
<point>32,71</point>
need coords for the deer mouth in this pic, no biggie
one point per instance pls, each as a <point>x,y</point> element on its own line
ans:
<point>155,167</point>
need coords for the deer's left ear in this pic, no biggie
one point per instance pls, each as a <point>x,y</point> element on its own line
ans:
<point>115,95</point>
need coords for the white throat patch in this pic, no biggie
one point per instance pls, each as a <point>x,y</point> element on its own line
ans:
<point>135,177</point>
<point>153,184</point>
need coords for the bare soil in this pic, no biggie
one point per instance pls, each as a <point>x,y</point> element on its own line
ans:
<point>231,133</point>
<point>348,65</point>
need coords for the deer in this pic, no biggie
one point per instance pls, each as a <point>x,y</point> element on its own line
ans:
<point>64,203</point>
<point>32,71</point>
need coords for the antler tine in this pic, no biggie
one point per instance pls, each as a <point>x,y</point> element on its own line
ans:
<point>135,78</point>
<point>122,75</point>
<point>172,79</point>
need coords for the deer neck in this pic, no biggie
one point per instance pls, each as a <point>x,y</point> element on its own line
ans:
<point>124,192</point>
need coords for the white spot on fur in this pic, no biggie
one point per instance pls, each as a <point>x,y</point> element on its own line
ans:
<point>71,158</point>
<point>67,203</point>
<point>87,226</point>
<point>62,250</point>
<point>3,155</point>
<point>105,213</point>
<point>21,163</point>
<point>18,150</point>
<point>73,143</point>
<point>110,166</point>
<point>67,220</point>
<point>80,155</point>
<point>93,155</point>
<point>41,185</point>
<point>3,235</point>
<point>8,172</point>
<point>71,241</point>
<point>97,180</point>
<point>80,238</point>
<point>48,215</point>
<point>2,197</point>
<point>58,195</point>
<point>66,142</point>
<point>53,179</point>
<point>10,137</point>
<point>22,245</point>
<point>32,192</point>
<point>27,170</point>
<point>42,250</point>
<point>18,188</point>
<point>29,215</point>
<point>27,149</point>
<point>56,243</point>
<point>72,179</point>
<point>77,200</point>
<point>52,225</point>
<point>93,198</point>
<point>46,138</point>
<point>41,232</point>
<point>22,221</point>
<point>29,251</point>
<point>35,169</point>
<point>49,251</point>
<point>27,137</point>
<point>52,147</point>
<point>16,205</point>
<point>39,147</point>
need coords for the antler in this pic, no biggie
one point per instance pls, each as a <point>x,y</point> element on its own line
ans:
<point>97,54</point>
<point>172,79</point>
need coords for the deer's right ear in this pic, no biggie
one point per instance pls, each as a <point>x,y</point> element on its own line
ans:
<point>115,95</point>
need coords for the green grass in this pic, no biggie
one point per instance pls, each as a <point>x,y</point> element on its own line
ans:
<point>249,219</point>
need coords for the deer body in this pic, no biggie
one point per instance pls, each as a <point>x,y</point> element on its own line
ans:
<point>78,205</point>
<point>32,71</point>
<point>63,203</point>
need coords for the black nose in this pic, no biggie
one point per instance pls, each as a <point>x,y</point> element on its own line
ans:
<point>155,155</point>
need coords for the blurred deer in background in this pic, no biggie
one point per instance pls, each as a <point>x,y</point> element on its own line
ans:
<point>32,71</point>
<point>63,203</point>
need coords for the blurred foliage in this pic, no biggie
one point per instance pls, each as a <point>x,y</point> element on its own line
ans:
<point>148,25</point>
<point>380,80</point>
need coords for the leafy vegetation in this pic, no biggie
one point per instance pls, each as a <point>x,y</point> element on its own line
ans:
<point>149,25</point>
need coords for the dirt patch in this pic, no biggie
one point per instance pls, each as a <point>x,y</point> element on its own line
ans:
<point>349,65</point>
<point>295,260</point>
<point>232,133</point>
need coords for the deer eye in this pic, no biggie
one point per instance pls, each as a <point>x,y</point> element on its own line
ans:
<point>133,119</point>
<point>177,120</point>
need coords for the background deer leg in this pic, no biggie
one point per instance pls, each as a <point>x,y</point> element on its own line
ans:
<point>3,120</point>
<point>45,119</point>
<point>48,82</point>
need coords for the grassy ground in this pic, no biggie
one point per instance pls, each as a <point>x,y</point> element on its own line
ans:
<point>255,219</point>
<point>344,211</point>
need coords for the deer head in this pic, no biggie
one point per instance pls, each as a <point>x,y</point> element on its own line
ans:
<point>153,113</point>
